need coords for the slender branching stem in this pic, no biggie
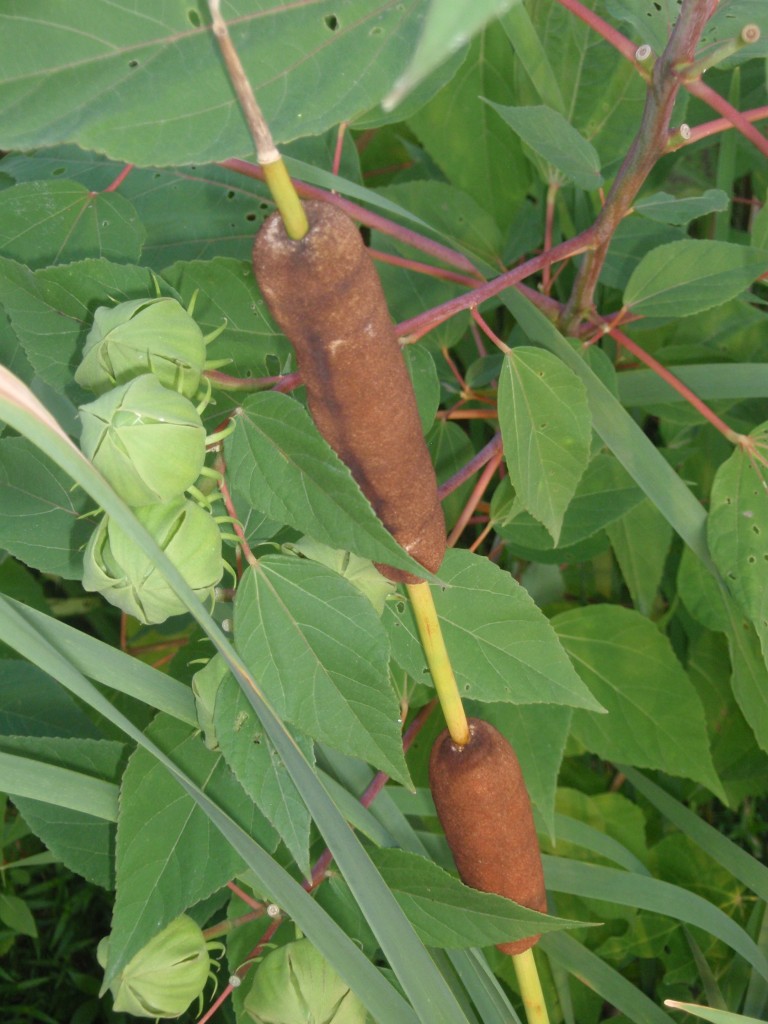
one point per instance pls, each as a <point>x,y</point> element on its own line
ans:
<point>675,383</point>
<point>648,145</point>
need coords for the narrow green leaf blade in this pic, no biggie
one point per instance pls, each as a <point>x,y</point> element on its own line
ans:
<point>251,756</point>
<point>737,530</point>
<point>691,275</point>
<point>278,460</point>
<point>322,656</point>
<point>639,891</point>
<point>640,541</point>
<point>632,670</point>
<point>733,858</point>
<point>547,429</point>
<point>27,776</point>
<point>448,914</point>
<point>574,957</point>
<point>161,835</point>
<point>67,790</point>
<point>554,138</point>
<point>111,666</point>
<point>715,1016</point>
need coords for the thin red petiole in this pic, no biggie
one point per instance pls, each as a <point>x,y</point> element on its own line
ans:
<point>119,179</point>
<point>483,325</point>
<point>739,121</point>
<point>423,268</point>
<point>674,382</point>
<point>474,498</point>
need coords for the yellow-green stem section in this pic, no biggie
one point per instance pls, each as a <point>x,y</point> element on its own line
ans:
<point>286,199</point>
<point>530,987</point>
<point>439,662</point>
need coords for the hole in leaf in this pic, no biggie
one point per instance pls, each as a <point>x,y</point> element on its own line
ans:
<point>193,17</point>
<point>751,559</point>
<point>331,22</point>
<point>230,194</point>
<point>250,216</point>
<point>133,63</point>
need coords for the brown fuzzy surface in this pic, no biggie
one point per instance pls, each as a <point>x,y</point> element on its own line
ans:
<point>325,295</point>
<point>485,811</point>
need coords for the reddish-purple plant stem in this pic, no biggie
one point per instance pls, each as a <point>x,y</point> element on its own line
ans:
<point>674,382</point>
<point>608,32</point>
<point>411,330</point>
<point>225,382</point>
<point>474,499</point>
<point>722,124</point>
<point>475,464</point>
<point>115,185</point>
<point>739,121</point>
<point>423,268</point>
<point>485,328</point>
<point>370,219</point>
<point>648,145</point>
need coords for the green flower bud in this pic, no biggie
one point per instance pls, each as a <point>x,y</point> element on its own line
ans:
<point>166,976</point>
<point>143,336</point>
<point>115,567</point>
<point>148,441</point>
<point>296,985</point>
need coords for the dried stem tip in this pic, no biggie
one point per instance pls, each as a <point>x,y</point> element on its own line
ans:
<point>483,806</point>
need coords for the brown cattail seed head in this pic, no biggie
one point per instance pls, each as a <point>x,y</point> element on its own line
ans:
<point>326,297</point>
<point>483,806</point>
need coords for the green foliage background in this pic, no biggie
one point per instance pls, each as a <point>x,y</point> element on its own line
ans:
<point>605,607</point>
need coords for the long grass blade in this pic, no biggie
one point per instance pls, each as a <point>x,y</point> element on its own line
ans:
<point>741,865</point>
<point>422,982</point>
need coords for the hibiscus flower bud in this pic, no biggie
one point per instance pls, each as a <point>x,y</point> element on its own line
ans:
<point>141,336</point>
<point>164,977</point>
<point>295,984</point>
<point>119,570</point>
<point>148,441</point>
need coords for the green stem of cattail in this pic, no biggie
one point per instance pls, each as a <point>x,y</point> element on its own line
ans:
<point>275,175</point>
<point>530,987</point>
<point>439,661</point>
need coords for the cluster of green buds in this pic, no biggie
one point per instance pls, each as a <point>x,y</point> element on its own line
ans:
<point>165,977</point>
<point>145,359</point>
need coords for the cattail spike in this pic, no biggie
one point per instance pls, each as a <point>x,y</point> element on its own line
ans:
<point>485,811</point>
